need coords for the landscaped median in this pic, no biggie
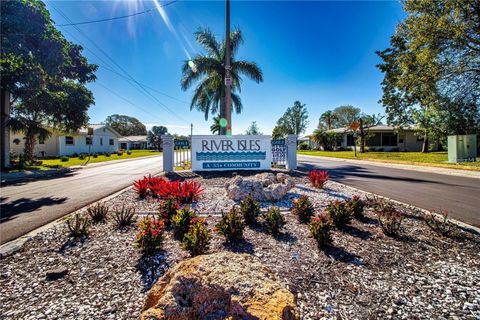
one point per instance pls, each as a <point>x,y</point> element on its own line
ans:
<point>327,250</point>
<point>433,159</point>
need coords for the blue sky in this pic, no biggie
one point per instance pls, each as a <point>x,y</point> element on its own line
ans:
<point>321,53</point>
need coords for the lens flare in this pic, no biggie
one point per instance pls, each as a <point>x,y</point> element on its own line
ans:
<point>223,122</point>
<point>192,66</point>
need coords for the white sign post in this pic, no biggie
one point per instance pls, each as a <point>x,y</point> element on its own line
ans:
<point>213,153</point>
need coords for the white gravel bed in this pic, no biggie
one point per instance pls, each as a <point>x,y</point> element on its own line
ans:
<point>366,275</point>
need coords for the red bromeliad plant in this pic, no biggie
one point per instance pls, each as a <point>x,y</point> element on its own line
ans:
<point>184,192</point>
<point>318,178</point>
<point>156,184</point>
<point>190,191</point>
<point>142,187</point>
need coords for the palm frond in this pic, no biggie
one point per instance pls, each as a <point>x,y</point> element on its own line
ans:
<point>250,69</point>
<point>237,103</point>
<point>206,39</point>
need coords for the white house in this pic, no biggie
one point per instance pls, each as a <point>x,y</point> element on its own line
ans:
<point>134,142</point>
<point>103,139</point>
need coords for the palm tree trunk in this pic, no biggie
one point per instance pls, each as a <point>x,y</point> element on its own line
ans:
<point>29,148</point>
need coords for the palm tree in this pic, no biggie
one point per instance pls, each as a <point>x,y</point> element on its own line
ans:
<point>33,129</point>
<point>209,71</point>
<point>328,117</point>
<point>215,127</point>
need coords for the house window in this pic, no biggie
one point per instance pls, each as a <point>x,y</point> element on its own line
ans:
<point>374,140</point>
<point>389,139</point>
<point>88,140</point>
<point>69,140</point>
<point>110,142</point>
<point>350,140</point>
<point>41,140</point>
<point>101,141</point>
<point>401,138</point>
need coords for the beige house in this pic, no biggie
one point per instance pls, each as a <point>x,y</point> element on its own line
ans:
<point>381,138</point>
<point>134,142</point>
<point>103,139</point>
<point>384,138</point>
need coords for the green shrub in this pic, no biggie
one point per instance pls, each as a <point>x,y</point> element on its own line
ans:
<point>338,214</point>
<point>320,230</point>
<point>82,156</point>
<point>181,222</point>
<point>231,225</point>
<point>64,158</point>
<point>250,209</point>
<point>119,153</point>
<point>303,209</point>
<point>124,217</point>
<point>355,206</point>
<point>150,235</point>
<point>129,152</point>
<point>95,155</point>
<point>78,226</point>
<point>274,220</point>
<point>98,212</point>
<point>107,154</point>
<point>196,241</point>
<point>167,209</point>
<point>303,146</point>
<point>440,223</point>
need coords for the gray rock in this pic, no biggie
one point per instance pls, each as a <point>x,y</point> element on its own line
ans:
<point>57,273</point>
<point>263,187</point>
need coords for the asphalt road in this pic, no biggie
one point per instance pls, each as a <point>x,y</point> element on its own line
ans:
<point>26,206</point>
<point>457,194</point>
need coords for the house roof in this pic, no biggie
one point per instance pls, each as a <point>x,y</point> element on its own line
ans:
<point>133,139</point>
<point>84,130</point>
<point>381,127</point>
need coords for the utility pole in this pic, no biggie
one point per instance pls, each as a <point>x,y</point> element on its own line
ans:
<point>228,79</point>
<point>191,130</point>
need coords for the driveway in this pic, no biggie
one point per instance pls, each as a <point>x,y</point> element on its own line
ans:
<point>428,190</point>
<point>28,205</point>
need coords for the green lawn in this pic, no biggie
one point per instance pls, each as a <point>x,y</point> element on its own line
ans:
<point>436,159</point>
<point>75,161</point>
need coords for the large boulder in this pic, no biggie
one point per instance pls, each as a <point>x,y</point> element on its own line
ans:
<point>221,285</point>
<point>262,186</point>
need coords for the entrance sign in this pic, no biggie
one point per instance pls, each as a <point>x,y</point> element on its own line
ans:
<point>242,152</point>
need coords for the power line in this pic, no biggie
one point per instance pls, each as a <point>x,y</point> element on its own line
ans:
<point>102,20</point>
<point>128,101</point>
<point>114,18</point>
<point>146,86</point>
<point>145,91</point>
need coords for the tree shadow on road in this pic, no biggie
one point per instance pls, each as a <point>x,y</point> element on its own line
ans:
<point>25,179</point>
<point>23,205</point>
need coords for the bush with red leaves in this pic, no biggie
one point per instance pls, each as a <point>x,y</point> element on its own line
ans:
<point>318,178</point>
